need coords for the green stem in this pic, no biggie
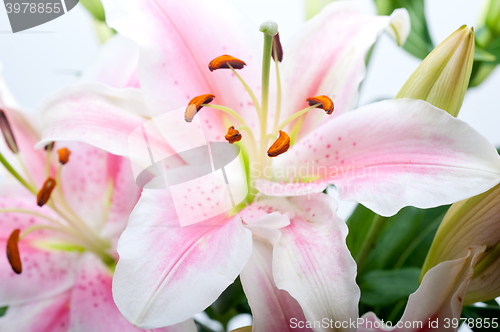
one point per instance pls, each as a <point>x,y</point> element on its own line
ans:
<point>226,110</point>
<point>373,232</point>
<point>250,92</point>
<point>16,175</point>
<point>266,66</point>
<point>295,116</point>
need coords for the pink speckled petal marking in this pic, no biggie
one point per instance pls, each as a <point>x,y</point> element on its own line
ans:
<point>167,273</point>
<point>92,306</point>
<point>190,34</point>
<point>439,297</point>
<point>392,154</point>
<point>327,57</point>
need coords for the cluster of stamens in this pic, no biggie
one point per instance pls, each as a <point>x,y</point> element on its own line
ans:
<point>73,227</point>
<point>282,143</point>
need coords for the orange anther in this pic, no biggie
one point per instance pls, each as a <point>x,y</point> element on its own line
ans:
<point>223,61</point>
<point>233,135</point>
<point>64,155</point>
<point>13,252</point>
<point>325,103</point>
<point>194,106</point>
<point>44,193</point>
<point>281,145</point>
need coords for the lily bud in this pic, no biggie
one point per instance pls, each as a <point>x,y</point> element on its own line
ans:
<point>472,222</point>
<point>443,77</point>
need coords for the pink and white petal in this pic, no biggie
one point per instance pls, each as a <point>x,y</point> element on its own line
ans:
<point>272,309</point>
<point>439,297</point>
<point>92,306</point>
<point>48,315</point>
<point>93,113</point>
<point>312,263</point>
<point>168,273</point>
<point>115,64</point>
<point>178,40</point>
<point>392,154</point>
<point>45,272</point>
<point>328,58</point>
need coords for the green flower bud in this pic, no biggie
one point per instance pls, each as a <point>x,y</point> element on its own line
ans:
<point>471,222</point>
<point>443,77</point>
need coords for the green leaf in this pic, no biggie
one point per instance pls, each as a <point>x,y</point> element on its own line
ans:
<point>383,287</point>
<point>477,318</point>
<point>419,41</point>
<point>359,223</point>
<point>3,310</point>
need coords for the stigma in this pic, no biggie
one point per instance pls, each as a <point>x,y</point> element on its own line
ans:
<point>226,61</point>
<point>324,102</point>
<point>280,146</point>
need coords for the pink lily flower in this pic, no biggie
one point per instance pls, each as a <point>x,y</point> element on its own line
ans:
<point>61,243</point>
<point>290,252</point>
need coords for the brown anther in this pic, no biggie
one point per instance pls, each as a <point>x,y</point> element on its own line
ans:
<point>8,135</point>
<point>194,106</point>
<point>44,193</point>
<point>49,146</point>
<point>223,61</point>
<point>279,48</point>
<point>325,103</point>
<point>233,135</point>
<point>281,145</point>
<point>13,252</point>
<point>64,155</point>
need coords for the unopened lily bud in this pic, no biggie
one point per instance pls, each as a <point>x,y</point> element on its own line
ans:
<point>443,77</point>
<point>468,223</point>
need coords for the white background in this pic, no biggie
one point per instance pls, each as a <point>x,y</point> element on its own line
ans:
<point>45,58</point>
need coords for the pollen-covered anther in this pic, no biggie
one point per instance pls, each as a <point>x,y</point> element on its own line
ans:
<point>325,103</point>
<point>8,135</point>
<point>277,47</point>
<point>44,193</point>
<point>194,106</point>
<point>223,61</point>
<point>13,252</point>
<point>233,135</point>
<point>281,145</point>
<point>64,155</point>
